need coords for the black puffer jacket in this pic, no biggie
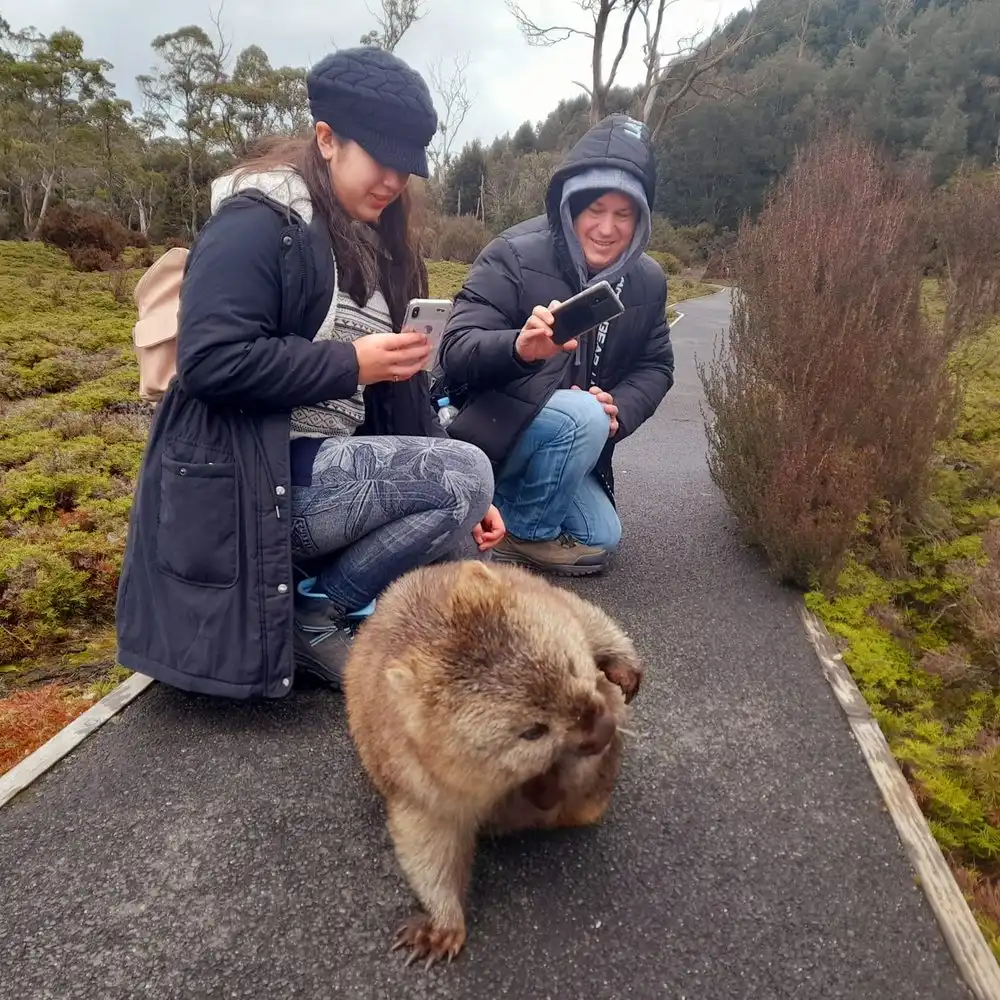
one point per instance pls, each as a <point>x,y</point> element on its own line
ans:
<point>529,265</point>
<point>206,588</point>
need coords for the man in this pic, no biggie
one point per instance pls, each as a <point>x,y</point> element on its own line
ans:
<point>549,417</point>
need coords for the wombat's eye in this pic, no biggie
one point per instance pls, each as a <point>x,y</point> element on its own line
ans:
<point>535,732</point>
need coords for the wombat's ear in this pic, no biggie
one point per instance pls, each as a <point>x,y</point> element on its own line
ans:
<point>400,678</point>
<point>476,589</point>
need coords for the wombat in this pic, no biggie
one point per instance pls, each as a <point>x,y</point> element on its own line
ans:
<point>483,699</point>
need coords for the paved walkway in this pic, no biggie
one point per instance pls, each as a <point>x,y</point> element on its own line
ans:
<point>201,850</point>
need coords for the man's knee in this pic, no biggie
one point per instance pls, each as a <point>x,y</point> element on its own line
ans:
<point>603,529</point>
<point>584,412</point>
<point>607,533</point>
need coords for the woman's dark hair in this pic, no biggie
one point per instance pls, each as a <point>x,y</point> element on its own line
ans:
<point>386,255</point>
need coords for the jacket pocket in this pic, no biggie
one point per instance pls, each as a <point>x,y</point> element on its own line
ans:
<point>198,527</point>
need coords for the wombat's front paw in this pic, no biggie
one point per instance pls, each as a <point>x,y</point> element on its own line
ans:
<point>627,677</point>
<point>425,940</point>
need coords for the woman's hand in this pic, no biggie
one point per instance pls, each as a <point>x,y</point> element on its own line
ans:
<point>534,342</point>
<point>391,357</point>
<point>490,530</point>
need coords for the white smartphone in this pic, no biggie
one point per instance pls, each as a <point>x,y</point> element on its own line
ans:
<point>428,316</point>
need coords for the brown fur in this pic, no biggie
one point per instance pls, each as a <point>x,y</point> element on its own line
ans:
<point>459,664</point>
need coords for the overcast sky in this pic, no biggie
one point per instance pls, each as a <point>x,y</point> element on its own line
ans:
<point>511,80</point>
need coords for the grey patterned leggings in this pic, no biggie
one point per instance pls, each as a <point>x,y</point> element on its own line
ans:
<point>379,506</point>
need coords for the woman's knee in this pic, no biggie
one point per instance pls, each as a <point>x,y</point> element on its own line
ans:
<point>471,479</point>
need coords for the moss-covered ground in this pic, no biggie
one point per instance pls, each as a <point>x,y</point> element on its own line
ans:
<point>917,615</point>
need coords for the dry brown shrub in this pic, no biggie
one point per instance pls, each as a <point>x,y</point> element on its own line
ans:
<point>118,283</point>
<point>460,238</point>
<point>981,891</point>
<point>89,259</point>
<point>72,228</point>
<point>980,607</point>
<point>952,665</point>
<point>967,234</point>
<point>832,386</point>
<point>29,718</point>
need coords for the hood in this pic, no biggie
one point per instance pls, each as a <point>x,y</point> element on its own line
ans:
<point>282,185</point>
<point>617,152</point>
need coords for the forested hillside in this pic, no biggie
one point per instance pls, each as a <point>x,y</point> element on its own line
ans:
<point>921,77</point>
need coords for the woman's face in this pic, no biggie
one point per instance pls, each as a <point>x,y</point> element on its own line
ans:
<point>362,185</point>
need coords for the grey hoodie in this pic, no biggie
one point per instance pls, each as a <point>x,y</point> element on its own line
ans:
<point>597,179</point>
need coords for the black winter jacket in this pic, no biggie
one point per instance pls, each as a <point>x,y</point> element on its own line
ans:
<point>206,589</point>
<point>528,265</point>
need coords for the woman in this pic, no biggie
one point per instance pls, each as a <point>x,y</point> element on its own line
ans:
<point>300,423</point>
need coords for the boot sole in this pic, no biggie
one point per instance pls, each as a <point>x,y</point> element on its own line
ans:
<point>556,569</point>
<point>317,672</point>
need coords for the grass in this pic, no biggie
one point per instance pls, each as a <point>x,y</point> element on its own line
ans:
<point>680,288</point>
<point>917,617</point>
<point>71,437</point>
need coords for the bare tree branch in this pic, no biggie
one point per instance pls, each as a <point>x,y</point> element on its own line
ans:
<point>534,34</point>
<point>223,48</point>
<point>894,12</point>
<point>696,59</point>
<point>804,28</point>
<point>394,20</point>
<point>454,102</point>
<point>600,13</point>
<point>631,7</point>
<point>669,76</point>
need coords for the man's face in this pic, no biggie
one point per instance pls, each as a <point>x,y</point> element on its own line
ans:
<point>605,229</point>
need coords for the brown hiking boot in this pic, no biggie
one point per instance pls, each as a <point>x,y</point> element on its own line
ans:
<point>562,556</point>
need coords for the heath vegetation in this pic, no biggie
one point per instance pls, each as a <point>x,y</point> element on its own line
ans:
<point>853,426</point>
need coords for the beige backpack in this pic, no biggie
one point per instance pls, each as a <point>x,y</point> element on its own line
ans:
<point>154,336</point>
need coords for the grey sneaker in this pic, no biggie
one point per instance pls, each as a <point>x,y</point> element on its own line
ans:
<point>323,637</point>
<point>562,556</point>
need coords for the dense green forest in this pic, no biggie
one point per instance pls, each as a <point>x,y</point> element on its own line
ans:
<point>921,77</point>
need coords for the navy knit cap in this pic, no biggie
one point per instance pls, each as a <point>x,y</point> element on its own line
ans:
<point>372,96</point>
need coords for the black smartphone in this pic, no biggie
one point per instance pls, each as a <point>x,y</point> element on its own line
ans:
<point>585,311</point>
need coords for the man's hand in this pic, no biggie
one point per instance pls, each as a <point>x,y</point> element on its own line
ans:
<point>607,401</point>
<point>490,529</point>
<point>534,342</point>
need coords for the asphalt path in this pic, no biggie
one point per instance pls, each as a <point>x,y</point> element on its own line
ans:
<point>200,849</point>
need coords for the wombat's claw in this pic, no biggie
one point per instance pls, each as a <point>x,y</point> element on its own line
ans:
<point>425,940</point>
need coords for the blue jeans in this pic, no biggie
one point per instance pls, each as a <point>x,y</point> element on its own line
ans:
<point>546,486</point>
<point>380,506</point>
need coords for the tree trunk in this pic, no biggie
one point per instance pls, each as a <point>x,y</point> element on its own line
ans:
<point>48,182</point>
<point>143,217</point>
<point>598,92</point>
<point>27,199</point>
<point>803,29</point>
<point>192,190</point>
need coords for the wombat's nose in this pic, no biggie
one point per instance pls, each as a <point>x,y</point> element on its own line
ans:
<point>598,735</point>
